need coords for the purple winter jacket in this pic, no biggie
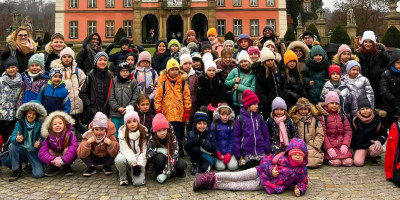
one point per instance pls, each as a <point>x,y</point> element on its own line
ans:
<point>251,137</point>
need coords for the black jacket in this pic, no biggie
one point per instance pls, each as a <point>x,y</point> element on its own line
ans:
<point>209,91</point>
<point>159,61</point>
<point>364,133</point>
<point>390,86</point>
<point>293,88</point>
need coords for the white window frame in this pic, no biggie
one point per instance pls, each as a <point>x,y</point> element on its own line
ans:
<point>237,27</point>
<point>307,6</point>
<point>270,2</point>
<point>92,27</point>
<point>254,27</point>
<point>237,2</point>
<point>221,27</point>
<point>73,3</point>
<point>110,28</point>
<point>253,3</point>
<point>220,3</point>
<point>110,3</point>
<point>92,3</point>
<point>127,3</point>
<point>271,22</point>
<point>73,29</point>
<point>128,27</point>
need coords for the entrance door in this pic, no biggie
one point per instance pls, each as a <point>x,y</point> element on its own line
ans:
<point>149,29</point>
<point>175,28</point>
<point>200,26</point>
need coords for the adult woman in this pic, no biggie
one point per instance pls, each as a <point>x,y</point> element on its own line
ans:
<point>301,50</point>
<point>91,46</point>
<point>53,49</point>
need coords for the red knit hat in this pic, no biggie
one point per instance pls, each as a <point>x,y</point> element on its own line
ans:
<point>249,98</point>
<point>160,122</point>
<point>334,68</point>
<point>299,151</point>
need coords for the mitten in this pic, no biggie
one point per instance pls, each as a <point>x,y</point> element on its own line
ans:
<point>161,178</point>
<point>227,158</point>
<point>163,151</point>
<point>344,149</point>
<point>136,170</point>
<point>186,116</point>
<point>331,152</point>
<point>57,161</point>
<point>219,155</point>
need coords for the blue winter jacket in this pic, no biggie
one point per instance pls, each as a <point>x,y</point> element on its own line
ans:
<point>22,129</point>
<point>224,134</point>
<point>55,98</point>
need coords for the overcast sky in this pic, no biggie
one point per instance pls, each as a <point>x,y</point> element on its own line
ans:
<point>330,4</point>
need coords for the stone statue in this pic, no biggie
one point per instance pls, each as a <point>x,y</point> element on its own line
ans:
<point>299,20</point>
<point>351,18</point>
<point>320,13</point>
<point>27,22</point>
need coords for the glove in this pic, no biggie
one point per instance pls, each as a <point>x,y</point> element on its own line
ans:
<point>136,170</point>
<point>344,149</point>
<point>332,153</point>
<point>163,151</point>
<point>186,116</point>
<point>227,158</point>
<point>57,161</point>
<point>161,178</point>
<point>219,155</point>
<point>377,145</point>
<point>109,48</point>
<point>211,108</point>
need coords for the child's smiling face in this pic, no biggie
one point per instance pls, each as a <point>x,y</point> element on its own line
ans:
<point>297,157</point>
<point>201,126</point>
<point>304,111</point>
<point>333,106</point>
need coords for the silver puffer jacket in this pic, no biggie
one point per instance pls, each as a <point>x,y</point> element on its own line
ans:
<point>358,86</point>
<point>348,102</point>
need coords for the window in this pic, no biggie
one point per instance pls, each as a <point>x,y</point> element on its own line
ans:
<point>92,27</point>
<point>271,22</point>
<point>92,3</point>
<point>73,3</point>
<point>270,2</point>
<point>254,27</point>
<point>237,27</point>
<point>237,2</point>
<point>109,29</point>
<point>127,3</point>
<point>73,29</point>
<point>128,28</point>
<point>220,27</point>
<point>253,2</point>
<point>110,3</point>
<point>220,2</point>
<point>307,6</point>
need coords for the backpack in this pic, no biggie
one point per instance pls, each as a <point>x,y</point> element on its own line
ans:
<point>163,87</point>
<point>153,75</point>
<point>392,155</point>
<point>325,117</point>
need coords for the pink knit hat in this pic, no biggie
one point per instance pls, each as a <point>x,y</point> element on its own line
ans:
<point>253,49</point>
<point>131,113</point>
<point>67,51</point>
<point>343,48</point>
<point>332,97</point>
<point>160,122</point>
<point>249,98</point>
<point>144,56</point>
<point>100,120</point>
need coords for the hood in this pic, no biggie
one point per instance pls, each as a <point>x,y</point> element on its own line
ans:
<point>110,130</point>
<point>301,45</point>
<point>57,64</point>
<point>182,75</point>
<point>48,48</point>
<point>380,46</point>
<point>297,143</point>
<point>293,110</point>
<point>45,126</point>
<point>32,105</point>
<point>395,56</point>
<point>216,113</point>
<point>352,57</point>
<point>88,38</point>
<point>166,45</point>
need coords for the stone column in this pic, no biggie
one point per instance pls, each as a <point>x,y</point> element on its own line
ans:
<point>393,17</point>
<point>300,31</point>
<point>137,23</point>
<point>351,31</point>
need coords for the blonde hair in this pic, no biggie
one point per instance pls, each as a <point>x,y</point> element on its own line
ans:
<point>19,29</point>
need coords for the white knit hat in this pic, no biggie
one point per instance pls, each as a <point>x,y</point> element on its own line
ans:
<point>243,55</point>
<point>266,54</point>
<point>207,56</point>
<point>209,64</point>
<point>185,58</point>
<point>368,35</point>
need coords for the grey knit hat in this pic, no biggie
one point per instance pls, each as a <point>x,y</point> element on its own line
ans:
<point>98,55</point>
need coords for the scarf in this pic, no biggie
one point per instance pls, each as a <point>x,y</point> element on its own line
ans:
<point>294,163</point>
<point>365,120</point>
<point>100,140</point>
<point>35,76</point>
<point>14,82</point>
<point>213,42</point>
<point>92,50</point>
<point>25,49</point>
<point>172,79</point>
<point>283,137</point>
<point>29,125</point>
<point>306,119</point>
<point>395,70</point>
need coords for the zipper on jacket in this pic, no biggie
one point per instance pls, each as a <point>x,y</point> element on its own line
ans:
<point>122,94</point>
<point>254,134</point>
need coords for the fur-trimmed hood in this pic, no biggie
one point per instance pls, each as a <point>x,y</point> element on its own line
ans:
<point>183,74</point>
<point>49,49</point>
<point>352,57</point>
<point>58,64</point>
<point>301,45</point>
<point>293,110</point>
<point>321,108</point>
<point>216,113</point>
<point>45,126</point>
<point>32,105</point>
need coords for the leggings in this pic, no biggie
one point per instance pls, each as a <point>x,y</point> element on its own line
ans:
<point>243,180</point>
<point>360,154</point>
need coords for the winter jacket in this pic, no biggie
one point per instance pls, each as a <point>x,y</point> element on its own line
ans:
<point>31,88</point>
<point>133,155</point>
<point>365,133</point>
<point>193,80</point>
<point>146,119</point>
<point>210,91</point>
<point>273,130</point>
<point>122,95</point>
<point>359,86</point>
<point>250,137</point>
<point>147,80</point>
<point>247,81</point>
<point>205,141</point>
<point>389,85</point>
<point>159,61</point>
<point>12,50</point>
<point>174,101</point>
<point>337,61</point>
<point>299,44</point>
<point>74,78</point>
<point>317,72</point>
<point>49,56</point>
<point>83,59</point>
<point>99,149</point>
<point>225,69</point>
<point>348,99</point>
<point>21,128</point>
<point>293,88</point>
<point>223,133</point>
<point>51,142</point>
<point>95,93</point>
<point>289,176</point>
<point>55,97</point>
<point>337,133</point>
<point>9,95</point>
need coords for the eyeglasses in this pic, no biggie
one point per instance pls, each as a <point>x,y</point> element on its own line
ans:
<point>22,35</point>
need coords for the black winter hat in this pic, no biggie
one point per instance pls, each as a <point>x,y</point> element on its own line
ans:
<point>308,33</point>
<point>205,45</point>
<point>11,61</point>
<point>363,102</point>
<point>201,116</point>
<point>125,40</point>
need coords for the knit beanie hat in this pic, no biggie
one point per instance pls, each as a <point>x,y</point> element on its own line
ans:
<point>289,56</point>
<point>317,50</point>
<point>278,103</point>
<point>38,59</point>
<point>11,61</point>
<point>368,35</point>
<point>160,122</point>
<point>174,41</point>
<point>100,120</point>
<point>130,113</point>
<point>67,51</point>
<point>332,97</point>
<point>309,33</point>
<point>209,64</point>
<point>269,42</point>
<point>201,116</point>
<point>229,42</point>
<point>125,40</point>
<point>363,102</point>
<point>266,54</point>
<point>243,55</point>
<point>144,56</point>
<point>207,56</point>
<point>205,45</point>
<point>212,31</point>
<point>98,55</point>
<point>249,98</point>
<point>351,64</point>
<point>303,103</point>
<point>172,63</point>
<point>197,56</point>
<point>245,37</point>
<point>343,48</point>
<point>185,58</point>
<point>270,28</point>
<point>299,151</point>
<point>193,47</point>
<point>54,71</point>
<point>334,68</point>
<point>190,32</point>
<point>253,49</point>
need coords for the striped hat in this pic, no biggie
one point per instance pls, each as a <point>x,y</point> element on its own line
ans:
<point>249,98</point>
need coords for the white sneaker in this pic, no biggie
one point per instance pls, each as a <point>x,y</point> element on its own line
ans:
<point>123,183</point>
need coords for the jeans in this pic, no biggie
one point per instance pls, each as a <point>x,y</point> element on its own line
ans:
<point>19,155</point>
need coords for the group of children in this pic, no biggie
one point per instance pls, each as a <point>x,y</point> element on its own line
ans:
<point>250,109</point>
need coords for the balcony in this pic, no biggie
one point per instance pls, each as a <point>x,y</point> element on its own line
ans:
<point>173,4</point>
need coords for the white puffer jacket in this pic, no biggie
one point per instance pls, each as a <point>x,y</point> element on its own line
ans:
<point>132,155</point>
<point>358,86</point>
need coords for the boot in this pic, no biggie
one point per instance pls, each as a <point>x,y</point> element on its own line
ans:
<point>15,175</point>
<point>204,181</point>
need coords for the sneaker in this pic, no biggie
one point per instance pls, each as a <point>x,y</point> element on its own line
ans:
<point>195,169</point>
<point>67,170</point>
<point>90,171</point>
<point>204,181</point>
<point>123,183</point>
<point>107,170</point>
<point>15,174</point>
<point>53,170</point>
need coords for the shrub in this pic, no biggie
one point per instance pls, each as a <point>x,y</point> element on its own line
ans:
<point>340,36</point>
<point>392,37</point>
<point>289,35</point>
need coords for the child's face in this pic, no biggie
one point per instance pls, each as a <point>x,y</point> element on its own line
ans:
<point>318,58</point>
<point>253,108</point>
<point>57,125</point>
<point>132,124</point>
<point>292,64</point>
<point>191,37</point>
<point>197,64</point>
<point>299,53</point>
<point>211,37</point>
<point>57,44</point>
<point>271,47</point>
<point>31,116</point>
<point>304,111</point>
<point>144,106</point>
<point>333,106</point>
<point>56,79</point>
<point>124,73</point>
<point>125,47</point>
<point>229,46</point>
<point>335,76</point>
<point>345,56</point>
<point>254,57</point>
<point>66,59</point>
<point>244,64</point>
<point>201,126</point>
<point>244,44</point>
<point>366,112</point>
<point>227,59</point>
<point>397,64</point>
<point>12,71</point>
<point>162,133</point>
<point>173,73</point>
<point>279,112</point>
<point>161,48</point>
<point>174,48</point>
<point>224,117</point>
<point>354,72</point>
<point>102,63</point>
<point>270,63</point>
<point>144,64</point>
<point>130,60</point>
<point>35,68</point>
<point>211,72</point>
<point>207,50</point>
<point>187,66</point>
<point>297,157</point>
<point>99,132</point>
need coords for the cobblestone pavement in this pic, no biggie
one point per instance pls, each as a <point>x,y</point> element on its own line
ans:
<point>327,182</point>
